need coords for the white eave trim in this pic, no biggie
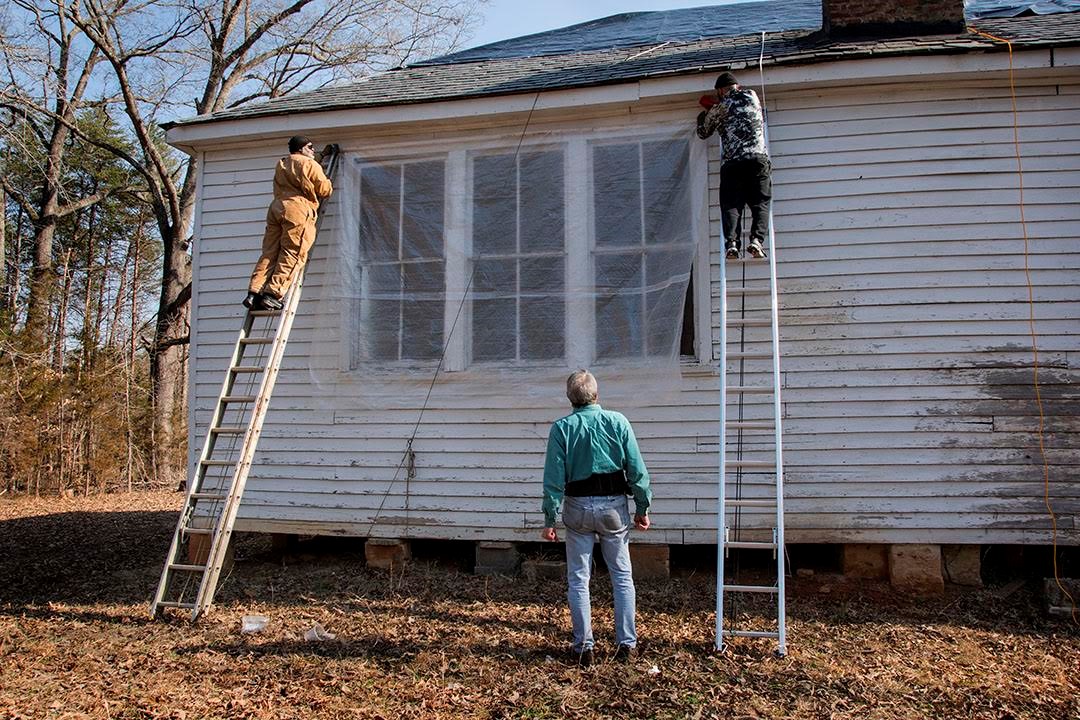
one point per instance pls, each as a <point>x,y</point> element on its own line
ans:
<point>191,138</point>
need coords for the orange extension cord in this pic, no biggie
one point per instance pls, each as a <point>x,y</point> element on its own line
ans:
<point>1031,323</point>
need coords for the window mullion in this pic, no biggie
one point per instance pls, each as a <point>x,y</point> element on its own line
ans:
<point>401,263</point>
<point>580,283</point>
<point>456,252</point>
<point>517,260</point>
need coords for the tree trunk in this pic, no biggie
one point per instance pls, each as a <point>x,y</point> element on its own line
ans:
<point>3,252</point>
<point>167,364</point>
<point>14,288</point>
<point>41,286</point>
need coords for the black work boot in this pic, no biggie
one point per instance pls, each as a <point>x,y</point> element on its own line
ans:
<point>269,302</point>
<point>251,300</point>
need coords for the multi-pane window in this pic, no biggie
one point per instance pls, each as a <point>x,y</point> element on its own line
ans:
<point>643,245</point>
<point>571,252</point>
<point>518,256</point>
<point>402,260</point>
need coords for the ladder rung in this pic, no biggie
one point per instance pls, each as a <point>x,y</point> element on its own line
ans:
<point>264,313</point>
<point>750,463</point>
<point>748,355</point>
<point>208,496</point>
<point>752,633</point>
<point>741,502</point>
<point>186,568</point>
<point>749,545</point>
<point>750,389</point>
<point>752,588</point>
<point>748,259</point>
<point>253,368</point>
<point>238,398</point>
<point>229,430</point>
<point>743,290</point>
<point>751,424</point>
<point>750,322</point>
<point>199,531</point>
<point>219,463</point>
<point>171,604</point>
<point>256,341</point>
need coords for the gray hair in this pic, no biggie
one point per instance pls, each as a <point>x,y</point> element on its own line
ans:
<point>581,388</point>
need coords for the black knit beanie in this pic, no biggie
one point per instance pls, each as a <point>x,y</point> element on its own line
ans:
<point>725,79</point>
<point>297,143</point>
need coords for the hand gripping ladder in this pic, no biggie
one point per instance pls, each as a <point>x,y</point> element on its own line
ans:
<point>201,540</point>
<point>751,460</point>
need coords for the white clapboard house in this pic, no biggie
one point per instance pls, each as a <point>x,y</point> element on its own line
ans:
<point>905,306</point>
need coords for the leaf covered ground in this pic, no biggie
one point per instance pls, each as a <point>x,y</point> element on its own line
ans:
<point>432,641</point>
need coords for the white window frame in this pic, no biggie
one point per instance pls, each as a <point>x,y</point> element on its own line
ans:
<point>356,322</point>
<point>580,342</point>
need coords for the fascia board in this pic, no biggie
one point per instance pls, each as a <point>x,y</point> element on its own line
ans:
<point>190,138</point>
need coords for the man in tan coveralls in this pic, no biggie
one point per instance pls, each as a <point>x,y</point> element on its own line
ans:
<point>299,185</point>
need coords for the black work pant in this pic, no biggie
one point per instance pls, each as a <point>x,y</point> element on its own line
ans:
<point>746,182</point>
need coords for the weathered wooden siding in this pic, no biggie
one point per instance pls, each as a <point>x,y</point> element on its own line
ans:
<point>907,353</point>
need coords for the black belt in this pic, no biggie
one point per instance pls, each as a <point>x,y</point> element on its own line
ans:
<point>598,484</point>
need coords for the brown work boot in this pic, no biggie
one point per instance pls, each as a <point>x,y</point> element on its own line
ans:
<point>625,653</point>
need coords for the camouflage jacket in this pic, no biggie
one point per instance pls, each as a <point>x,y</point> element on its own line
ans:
<point>738,118</point>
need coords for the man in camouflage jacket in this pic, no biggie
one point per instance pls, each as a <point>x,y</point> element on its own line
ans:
<point>746,172</point>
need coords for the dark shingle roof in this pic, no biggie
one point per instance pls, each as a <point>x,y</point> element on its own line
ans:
<point>430,83</point>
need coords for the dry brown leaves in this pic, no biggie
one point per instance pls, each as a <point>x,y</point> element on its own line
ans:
<point>76,576</point>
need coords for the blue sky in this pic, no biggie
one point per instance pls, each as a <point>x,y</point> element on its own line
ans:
<point>512,18</point>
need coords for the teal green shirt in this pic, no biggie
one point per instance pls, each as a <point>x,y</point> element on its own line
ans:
<point>592,440</point>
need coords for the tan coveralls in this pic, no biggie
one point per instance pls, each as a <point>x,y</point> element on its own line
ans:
<point>299,184</point>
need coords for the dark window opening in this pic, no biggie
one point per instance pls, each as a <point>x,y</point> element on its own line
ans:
<point>687,340</point>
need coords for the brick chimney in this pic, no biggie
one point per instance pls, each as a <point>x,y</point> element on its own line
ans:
<point>891,18</point>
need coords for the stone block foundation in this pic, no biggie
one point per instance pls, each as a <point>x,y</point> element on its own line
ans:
<point>384,554</point>
<point>916,569</point>
<point>962,564</point>
<point>497,558</point>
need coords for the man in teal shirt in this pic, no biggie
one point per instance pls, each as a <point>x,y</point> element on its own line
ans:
<point>593,462</point>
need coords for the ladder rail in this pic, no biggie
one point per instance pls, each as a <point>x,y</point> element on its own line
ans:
<point>220,542</point>
<point>195,486</point>
<point>223,521</point>
<point>721,504</point>
<point>778,430</point>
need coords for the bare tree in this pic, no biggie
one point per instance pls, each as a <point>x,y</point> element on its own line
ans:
<point>225,53</point>
<point>48,72</point>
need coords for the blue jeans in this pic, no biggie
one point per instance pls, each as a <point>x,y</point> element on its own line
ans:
<point>608,518</point>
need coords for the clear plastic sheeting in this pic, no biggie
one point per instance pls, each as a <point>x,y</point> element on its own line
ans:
<point>511,264</point>
<point>638,29</point>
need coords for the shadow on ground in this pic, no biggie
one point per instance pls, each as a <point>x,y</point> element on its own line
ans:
<point>83,557</point>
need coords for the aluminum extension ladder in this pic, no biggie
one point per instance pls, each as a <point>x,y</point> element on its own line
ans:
<point>200,542</point>
<point>751,466</point>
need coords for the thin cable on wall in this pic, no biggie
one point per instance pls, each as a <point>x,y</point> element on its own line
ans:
<point>1031,324</point>
<point>408,457</point>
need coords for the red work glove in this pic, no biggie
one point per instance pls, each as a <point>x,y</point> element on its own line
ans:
<point>707,101</point>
